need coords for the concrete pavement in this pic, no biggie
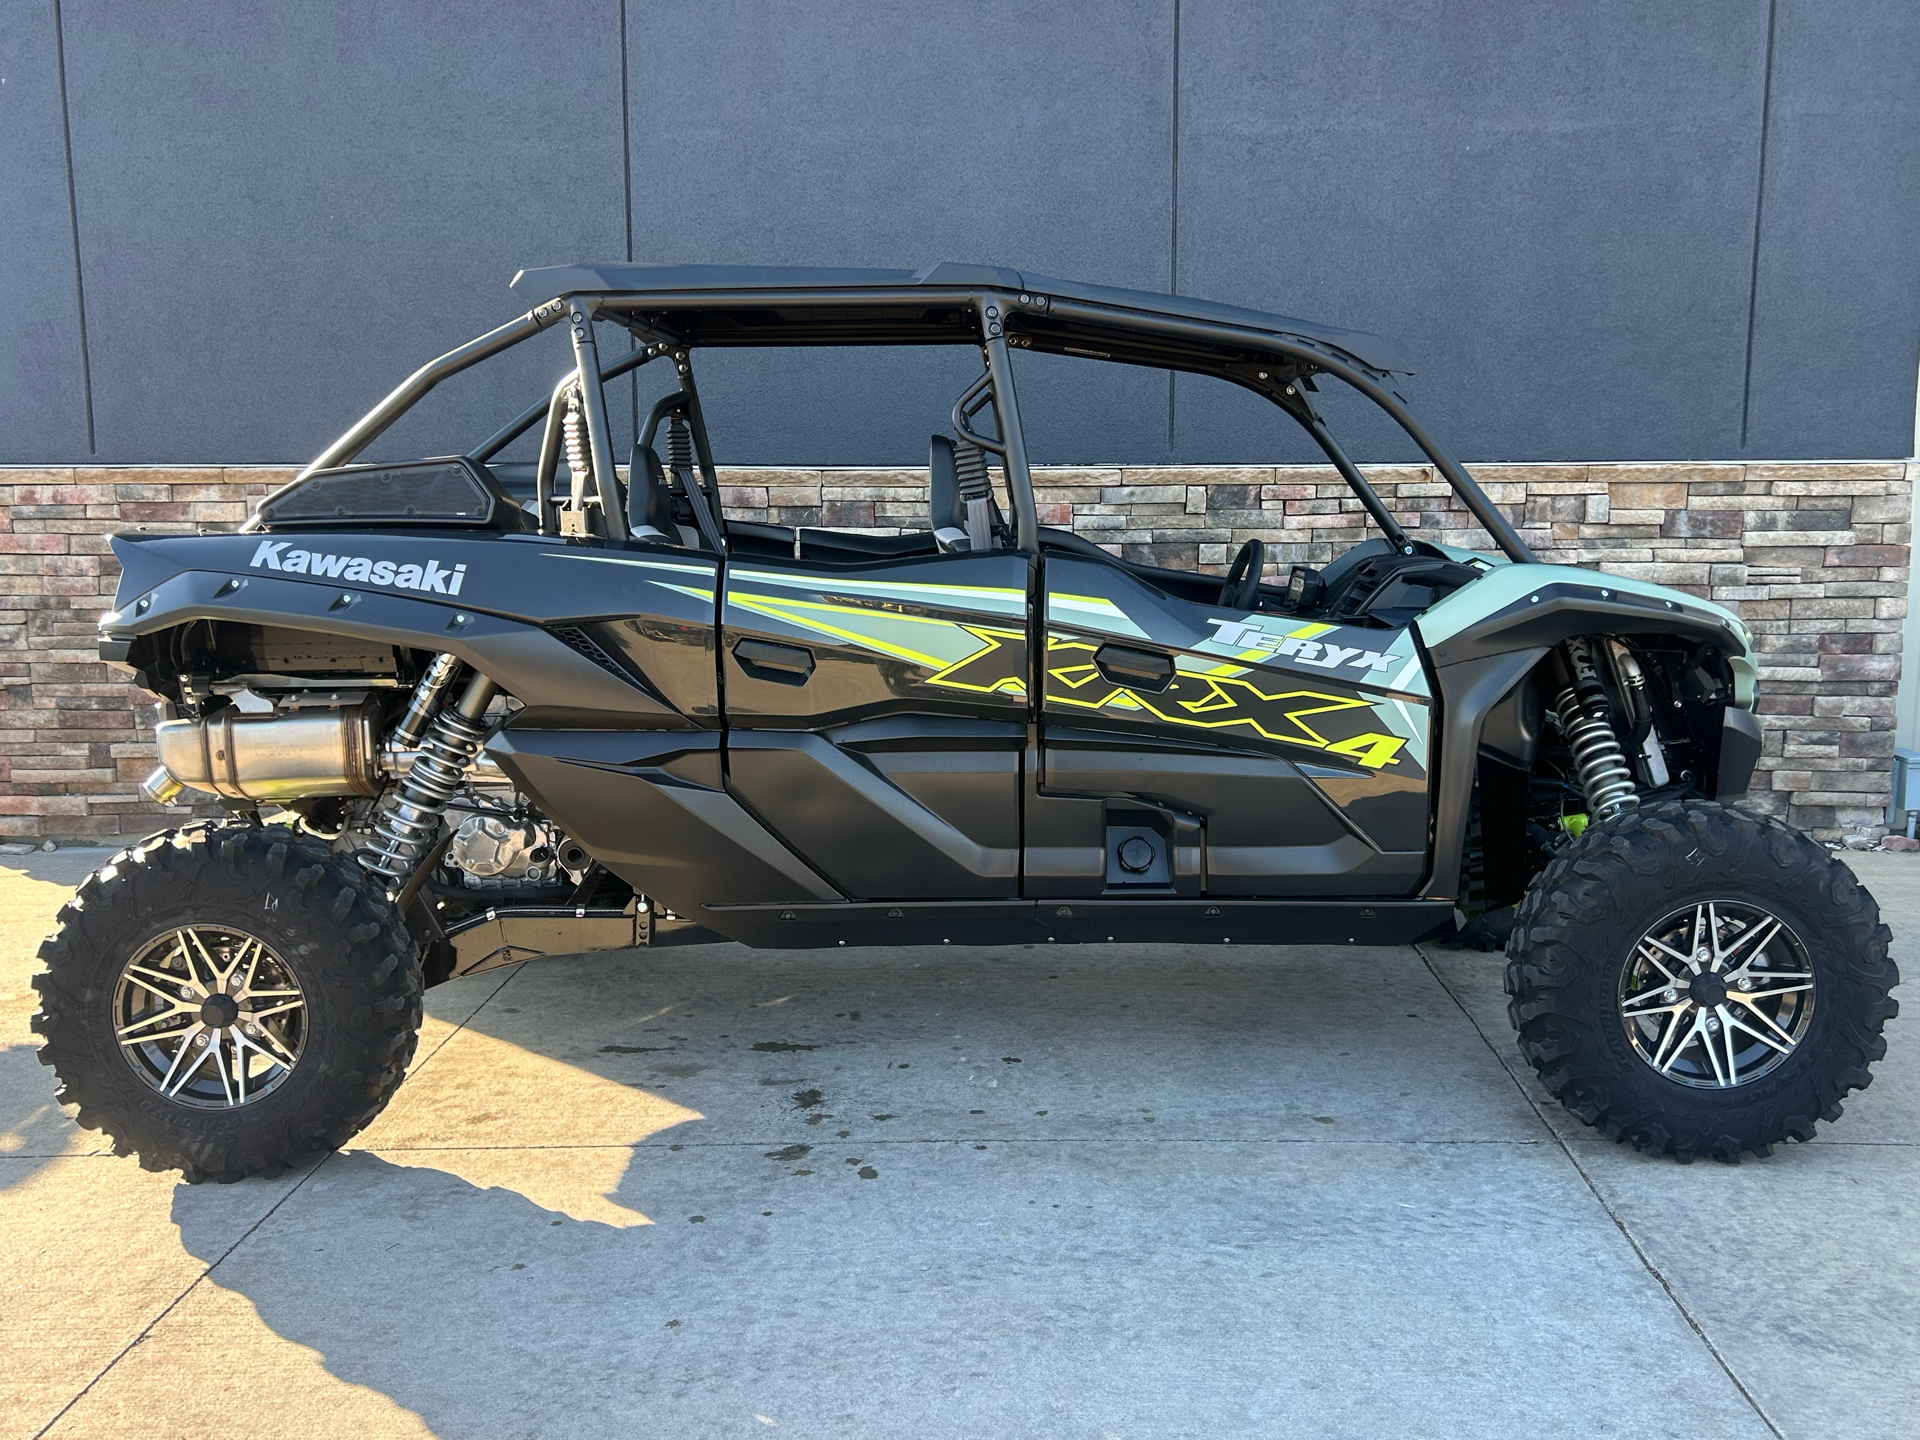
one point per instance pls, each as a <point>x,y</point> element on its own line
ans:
<point>1128,1191</point>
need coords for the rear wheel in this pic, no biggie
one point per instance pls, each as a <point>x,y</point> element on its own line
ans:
<point>1695,980</point>
<point>222,1000</point>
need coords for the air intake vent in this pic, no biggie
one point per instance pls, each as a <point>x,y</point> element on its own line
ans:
<point>574,638</point>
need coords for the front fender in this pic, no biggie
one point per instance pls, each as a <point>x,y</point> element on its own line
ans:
<point>1519,607</point>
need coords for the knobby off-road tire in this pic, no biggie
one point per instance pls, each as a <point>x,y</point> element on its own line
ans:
<point>331,936</point>
<point>1578,929</point>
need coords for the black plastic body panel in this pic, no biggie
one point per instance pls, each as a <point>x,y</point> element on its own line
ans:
<point>1015,922</point>
<point>857,818</point>
<point>654,810</point>
<point>1511,729</point>
<point>517,597</point>
<point>1739,752</point>
<point>876,714</point>
<point>1469,692</point>
<point>1268,829</point>
<point>674,653</point>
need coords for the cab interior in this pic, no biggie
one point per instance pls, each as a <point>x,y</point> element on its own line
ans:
<point>671,501</point>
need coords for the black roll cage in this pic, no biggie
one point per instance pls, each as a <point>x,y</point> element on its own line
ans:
<point>672,323</point>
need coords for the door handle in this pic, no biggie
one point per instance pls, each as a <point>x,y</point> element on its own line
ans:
<point>782,664</point>
<point>1148,670</point>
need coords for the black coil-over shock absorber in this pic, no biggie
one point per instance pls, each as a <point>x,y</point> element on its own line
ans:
<point>1586,719</point>
<point>406,827</point>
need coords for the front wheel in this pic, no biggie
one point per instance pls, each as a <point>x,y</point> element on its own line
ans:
<point>1695,979</point>
<point>221,1000</point>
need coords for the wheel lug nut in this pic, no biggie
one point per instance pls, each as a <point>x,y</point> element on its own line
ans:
<point>1673,994</point>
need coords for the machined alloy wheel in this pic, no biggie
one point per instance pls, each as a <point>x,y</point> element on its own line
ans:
<point>210,1017</point>
<point>1717,994</point>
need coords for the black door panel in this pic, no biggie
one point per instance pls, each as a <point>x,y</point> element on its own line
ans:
<point>1390,810</point>
<point>666,609</point>
<point>872,836</point>
<point>1217,714</point>
<point>1269,830</point>
<point>964,771</point>
<point>1347,866</point>
<point>877,714</point>
<point>941,634</point>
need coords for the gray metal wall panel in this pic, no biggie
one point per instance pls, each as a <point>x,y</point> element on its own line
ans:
<point>1837,311</point>
<point>1552,206</point>
<point>902,134</point>
<point>286,209</point>
<point>42,401</point>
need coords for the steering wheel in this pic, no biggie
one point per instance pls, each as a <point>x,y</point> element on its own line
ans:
<point>1241,591</point>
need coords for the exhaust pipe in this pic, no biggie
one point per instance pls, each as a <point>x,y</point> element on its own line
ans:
<point>160,786</point>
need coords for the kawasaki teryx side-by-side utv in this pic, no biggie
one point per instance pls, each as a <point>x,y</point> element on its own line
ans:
<point>462,712</point>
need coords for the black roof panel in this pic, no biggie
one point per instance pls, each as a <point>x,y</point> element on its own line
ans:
<point>536,286</point>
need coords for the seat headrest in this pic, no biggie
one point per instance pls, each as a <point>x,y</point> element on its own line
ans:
<point>944,506</point>
<point>649,493</point>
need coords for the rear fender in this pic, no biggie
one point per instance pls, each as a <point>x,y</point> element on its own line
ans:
<point>514,594</point>
<point>526,661</point>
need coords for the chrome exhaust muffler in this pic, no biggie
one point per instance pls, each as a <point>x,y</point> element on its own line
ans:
<point>269,757</point>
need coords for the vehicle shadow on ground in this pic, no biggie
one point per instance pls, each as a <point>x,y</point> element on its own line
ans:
<point>596,1152</point>
<point>32,1124</point>
<point>476,1309</point>
<point>467,1305</point>
<point>617,1154</point>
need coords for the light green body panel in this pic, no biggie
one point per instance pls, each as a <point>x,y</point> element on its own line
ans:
<point>1506,583</point>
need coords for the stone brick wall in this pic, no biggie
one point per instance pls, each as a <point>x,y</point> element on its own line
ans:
<point>1813,556</point>
<point>74,736</point>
